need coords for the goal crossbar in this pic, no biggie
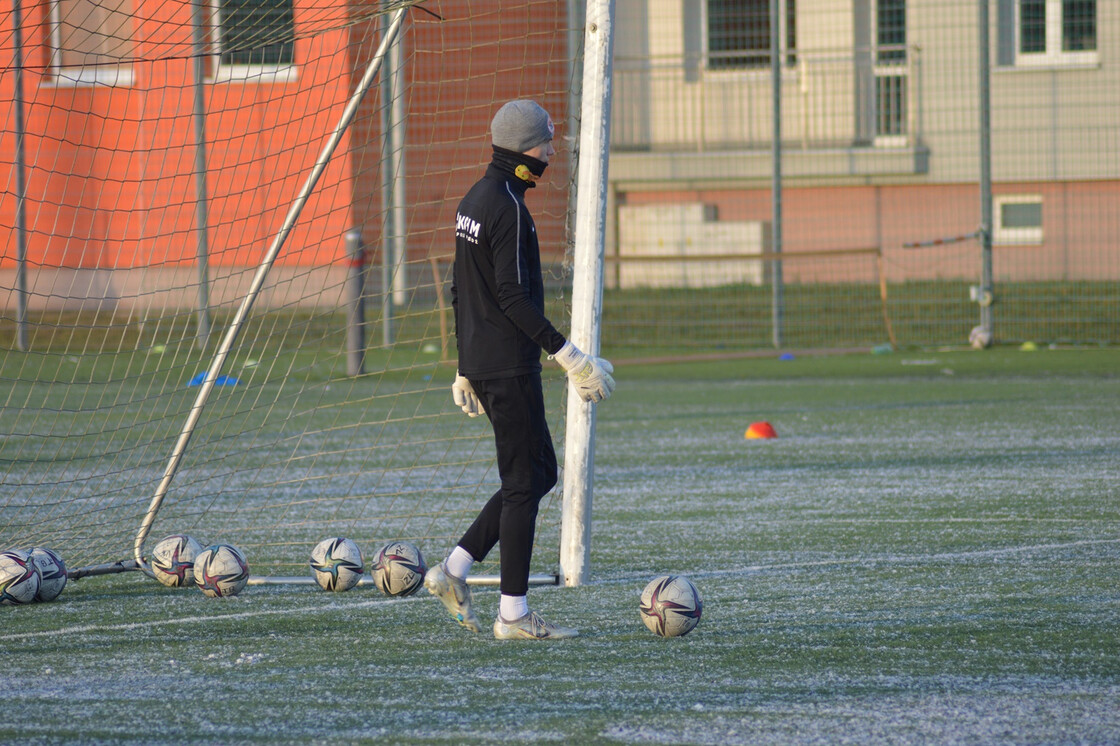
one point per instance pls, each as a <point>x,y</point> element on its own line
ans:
<point>535,579</point>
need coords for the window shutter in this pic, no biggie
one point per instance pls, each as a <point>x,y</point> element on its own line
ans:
<point>693,39</point>
<point>1005,32</point>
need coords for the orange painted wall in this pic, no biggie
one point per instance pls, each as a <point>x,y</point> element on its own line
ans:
<point>110,169</point>
<point>459,69</point>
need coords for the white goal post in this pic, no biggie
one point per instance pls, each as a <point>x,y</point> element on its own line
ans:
<point>321,404</point>
<point>587,287</point>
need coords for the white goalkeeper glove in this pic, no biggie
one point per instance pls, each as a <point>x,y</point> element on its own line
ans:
<point>465,397</point>
<point>590,375</point>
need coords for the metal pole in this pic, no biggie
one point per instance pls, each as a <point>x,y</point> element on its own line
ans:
<point>355,304</point>
<point>386,288</point>
<point>201,199</point>
<point>987,292</point>
<point>258,282</point>
<point>777,301</point>
<point>22,342</point>
<point>396,158</point>
<point>587,285</point>
<point>388,194</point>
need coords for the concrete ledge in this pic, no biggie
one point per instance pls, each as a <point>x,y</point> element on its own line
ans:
<point>114,290</point>
<point>684,170</point>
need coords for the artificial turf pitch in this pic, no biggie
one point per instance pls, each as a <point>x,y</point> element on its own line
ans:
<point>929,552</point>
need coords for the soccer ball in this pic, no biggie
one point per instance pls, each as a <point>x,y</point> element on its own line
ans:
<point>173,560</point>
<point>337,564</point>
<point>52,573</point>
<point>398,569</point>
<point>671,606</point>
<point>220,570</point>
<point>19,578</point>
<point>979,338</point>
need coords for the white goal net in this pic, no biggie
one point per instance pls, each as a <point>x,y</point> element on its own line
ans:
<point>154,155</point>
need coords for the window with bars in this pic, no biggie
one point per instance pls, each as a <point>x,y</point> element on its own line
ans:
<point>892,78</point>
<point>739,33</point>
<point>256,33</point>
<point>890,31</point>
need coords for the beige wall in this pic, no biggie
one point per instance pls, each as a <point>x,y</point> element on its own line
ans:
<point>1055,133</point>
<point>1051,123</point>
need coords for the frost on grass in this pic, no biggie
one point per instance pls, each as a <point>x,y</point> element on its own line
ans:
<point>939,710</point>
<point>908,562</point>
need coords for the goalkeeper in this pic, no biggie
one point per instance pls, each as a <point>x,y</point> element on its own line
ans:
<point>497,294</point>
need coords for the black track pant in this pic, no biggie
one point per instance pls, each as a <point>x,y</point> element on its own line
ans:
<point>527,468</point>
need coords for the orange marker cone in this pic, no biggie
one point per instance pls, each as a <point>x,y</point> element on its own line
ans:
<point>760,430</point>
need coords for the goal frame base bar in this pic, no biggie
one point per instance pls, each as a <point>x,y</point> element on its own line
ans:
<point>481,580</point>
<point>109,568</point>
<point>113,568</point>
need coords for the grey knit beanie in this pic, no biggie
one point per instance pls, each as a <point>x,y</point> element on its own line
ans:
<point>521,125</point>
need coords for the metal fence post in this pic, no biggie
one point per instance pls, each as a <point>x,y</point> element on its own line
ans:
<point>986,294</point>
<point>22,341</point>
<point>777,301</point>
<point>202,199</point>
<point>355,300</point>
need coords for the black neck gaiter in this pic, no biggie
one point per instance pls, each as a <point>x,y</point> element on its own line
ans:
<point>524,167</point>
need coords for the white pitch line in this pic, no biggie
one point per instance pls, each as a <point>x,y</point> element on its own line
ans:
<point>873,560</point>
<point>935,521</point>
<point>889,559</point>
<point>906,558</point>
<point>201,620</point>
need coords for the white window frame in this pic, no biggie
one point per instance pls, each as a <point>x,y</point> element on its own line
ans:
<point>223,73</point>
<point>255,73</point>
<point>875,37</point>
<point>1054,56</point>
<point>893,69</point>
<point>80,76</point>
<point>1015,236</point>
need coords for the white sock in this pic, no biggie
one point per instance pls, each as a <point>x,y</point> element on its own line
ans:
<point>459,562</point>
<point>513,608</point>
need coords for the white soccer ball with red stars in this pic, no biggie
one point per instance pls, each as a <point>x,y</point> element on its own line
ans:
<point>19,578</point>
<point>220,570</point>
<point>173,558</point>
<point>52,573</point>
<point>399,568</point>
<point>671,606</point>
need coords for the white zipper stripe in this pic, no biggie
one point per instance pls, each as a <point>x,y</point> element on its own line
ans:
<point>517,207</point>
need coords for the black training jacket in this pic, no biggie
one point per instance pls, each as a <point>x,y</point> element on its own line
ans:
<point>497,292</point>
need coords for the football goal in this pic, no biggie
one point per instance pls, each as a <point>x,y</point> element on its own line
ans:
<point>226,308</point>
